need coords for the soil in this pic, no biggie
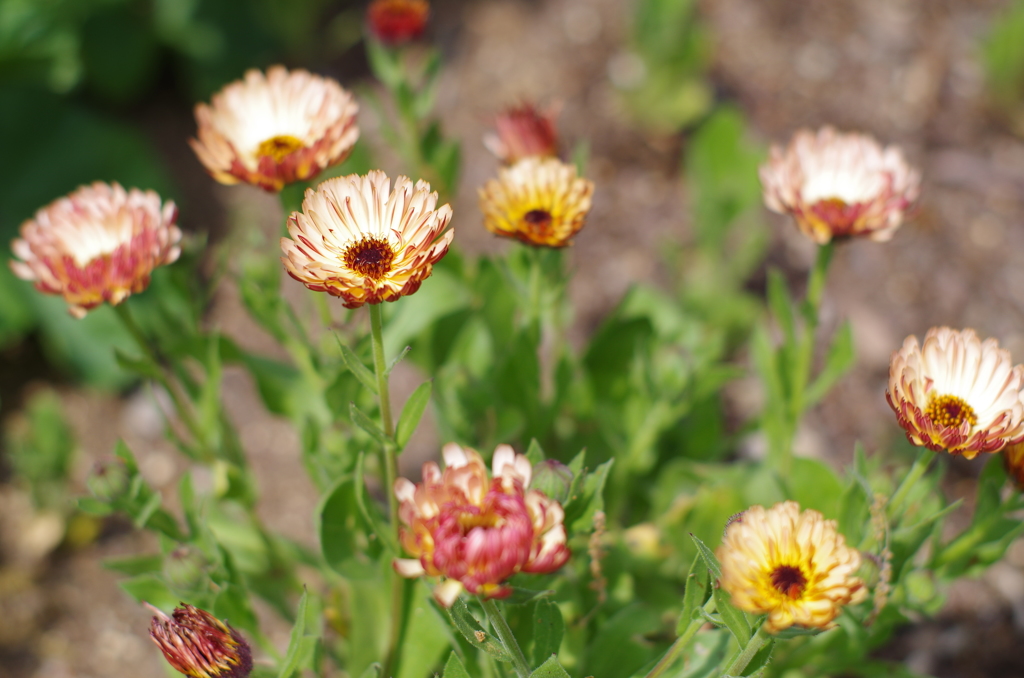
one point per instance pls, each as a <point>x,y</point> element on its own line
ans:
<point>907,71</point>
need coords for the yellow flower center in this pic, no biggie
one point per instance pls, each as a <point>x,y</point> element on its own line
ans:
<point>279,147</point>
<point>370,257</point>
<point>789,581</point>
<point>467,521</point>
<point>950,411</point>
<point>538,221</point>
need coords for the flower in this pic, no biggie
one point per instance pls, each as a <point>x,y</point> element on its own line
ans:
<point>99,243</point>
<point>474,531</point>
<point>523,131</point>
<point>840,185</point>
<point>789,564</point>
<point>395,22</point>
<point>275,129</point>
<point>199,645</point>
<point>957,393</point>
<point>358,240</point>
<point>539,201</point>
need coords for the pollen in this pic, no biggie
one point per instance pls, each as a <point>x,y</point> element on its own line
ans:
<point>370,257</point>
<point>279,147</point>
<point>950,411</point>
<point>789,581</point>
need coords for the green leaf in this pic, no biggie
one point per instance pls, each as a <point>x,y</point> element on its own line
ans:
<point>454,668</point>
<point>93,507</point>
<point>138,366</point>
<point>412,412</point>
<point>135,565</point>
<point>343,537</point>
<point>232,604</point>
<point>369,425</point>
<point>591,499</point>
<point>149,588</point>
<point>733,618</point>
<point>550,669</point>
<point>534,452</point>
<point>548,630</point>
<point>357,367</point>
<point>371,515</point>
<point>292,657</point>
<point>695,593</point>
<point>523,596</point>
<point>781,304</point>
<point>838,361</point>
<point>373,671</point>
<point>398,358</point>
<point>471,630</point>
<point>709,558</point>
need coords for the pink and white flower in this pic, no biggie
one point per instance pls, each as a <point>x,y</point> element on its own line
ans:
<point>477,531</point>
<point>839,185</point>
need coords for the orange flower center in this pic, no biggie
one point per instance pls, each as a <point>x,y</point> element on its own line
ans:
<point>279,147</point>
<point>538,221</point>
<point>370,257</point>
<point>950,411</point>
<point>789,581</point>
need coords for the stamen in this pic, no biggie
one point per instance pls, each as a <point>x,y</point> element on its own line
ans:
<point>950,411</point>
<point>370,257</point>
<point>279,147</point>
<point>789,581</point>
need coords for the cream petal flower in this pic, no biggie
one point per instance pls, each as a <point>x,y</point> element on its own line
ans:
<point>274,129</point>
<point>957,393</point>
<point>840,185</point>
<point>97,244</point>
<point>540,201</point>
<point>790,564</point>
<point>357,239</point>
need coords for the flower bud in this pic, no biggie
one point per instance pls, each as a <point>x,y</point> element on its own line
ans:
<point>109,480</point>
<point>199,645</point>
<point>395,22</point>
<point>553,478</point>
<point>185,568</point>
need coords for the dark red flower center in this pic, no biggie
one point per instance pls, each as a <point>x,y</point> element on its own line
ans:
<point>950,411</point>
<point>370,257</point>
<point>789,581</point>
<point>538,221</point>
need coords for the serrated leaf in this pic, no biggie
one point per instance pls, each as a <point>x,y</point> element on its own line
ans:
<point>709,557</point>
<point>550,669</point>
<point>356,366</point>
<point>733,618</point>
<point>412,412</point>
<point>454,668</point>
<point>548,630</point>
<point>471,630</point>
<point>369,425</point>
<point>291,658</point>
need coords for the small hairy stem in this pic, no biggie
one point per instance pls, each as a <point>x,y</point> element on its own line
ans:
<point>921,464</point>
<point>507,639</point>
<point>755,643</point>
<point>682,642</point>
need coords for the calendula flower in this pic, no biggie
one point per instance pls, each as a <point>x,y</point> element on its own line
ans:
<point>840,185</point>
<point>522,132</point>
<point>539,201</point>
<point>274,129</point>
<point>789,564</point>
<point>97,244</point>
<point>957,393</point>
<point>396,22</point>
<point>357,239</point>
<point>476,531</point>
<point>199,645</point>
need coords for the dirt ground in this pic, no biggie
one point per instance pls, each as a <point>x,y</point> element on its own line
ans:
<point>907,71</point>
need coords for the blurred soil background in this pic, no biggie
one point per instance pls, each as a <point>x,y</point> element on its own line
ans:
<point>908,71</point>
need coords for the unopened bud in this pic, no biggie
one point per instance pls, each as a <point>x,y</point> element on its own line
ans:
<point>109,480</point>
<point>553,478</point>
<point>199,645</point>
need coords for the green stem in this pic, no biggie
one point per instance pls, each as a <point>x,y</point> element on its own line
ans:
<point>921,464</point>
<point>682,642</point>
<point>160,374</point>
<point>507,639</point>
<point>755,643</point>
<point>400,591</point>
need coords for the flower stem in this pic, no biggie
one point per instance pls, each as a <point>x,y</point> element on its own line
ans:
<point>755,643</point>
<point>159,374</point>
<point>507,639</point>
<point>682,642</point>
<point>400,589</point>
<point>921,464</point>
